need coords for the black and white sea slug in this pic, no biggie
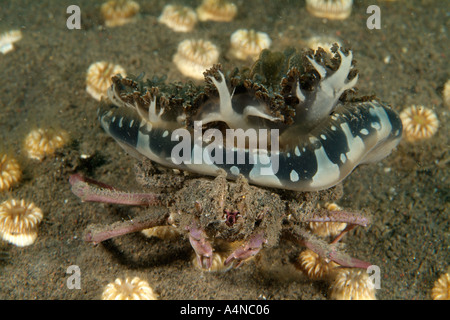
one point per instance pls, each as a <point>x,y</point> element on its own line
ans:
<point>311,134</point>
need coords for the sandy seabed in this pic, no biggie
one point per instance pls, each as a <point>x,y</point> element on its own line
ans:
<point>43,84</point>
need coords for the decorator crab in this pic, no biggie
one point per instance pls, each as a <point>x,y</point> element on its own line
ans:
<point>212,211</point>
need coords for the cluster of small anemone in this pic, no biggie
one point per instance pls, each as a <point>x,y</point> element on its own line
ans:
<point>345,283</point>
<point>183,18</point>
<point>194,56</point>
<point>19,219</point>
<point>177,17</point>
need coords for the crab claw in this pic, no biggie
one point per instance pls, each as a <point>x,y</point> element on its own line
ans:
<point>201,246</point>
<point>247,250</point>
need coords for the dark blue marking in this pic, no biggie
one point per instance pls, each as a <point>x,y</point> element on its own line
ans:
<point>124,133</point>
<point>305,165</point>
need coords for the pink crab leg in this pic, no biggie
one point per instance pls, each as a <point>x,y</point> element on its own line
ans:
<point>348,228</point>
<point>93,191</point>
<point>99,233</point>
<point>249,249</point>
<point>338,257</point>
<point>200,244</point>
<point>339,216</point>
<point>328,251</point>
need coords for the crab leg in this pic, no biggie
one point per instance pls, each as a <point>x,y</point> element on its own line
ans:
<point>93,191</point>
<point>200,244</point>
<point>348,228</point>
<point>353,218</point>
<point>99,233</point>
<point>249,249</point>
<point>326,250</point>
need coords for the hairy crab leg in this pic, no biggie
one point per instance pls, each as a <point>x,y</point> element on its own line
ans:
<point>93,191</point>
<point>353,218</point>
<point>200,244</point>
<point>99,233</point>
<point>249,249</point>
<point>326,250</point>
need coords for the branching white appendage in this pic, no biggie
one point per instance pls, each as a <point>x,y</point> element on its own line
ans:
<point>152,116</point>
<point>329,89</point>
<point>149,115</point>
<point>226,112</point>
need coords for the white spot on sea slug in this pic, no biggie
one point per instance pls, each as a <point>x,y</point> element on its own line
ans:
<point>327,171</point>
<point>343,158</point>
<point>364,131</point>
<point>264,175</point>
<point>375,125</point>
<point>384,127</point>
<point>294,176</point>
<point>234,170</point>
<point>355,145</point>
<point>165,134</point>
<point>297,152</point>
